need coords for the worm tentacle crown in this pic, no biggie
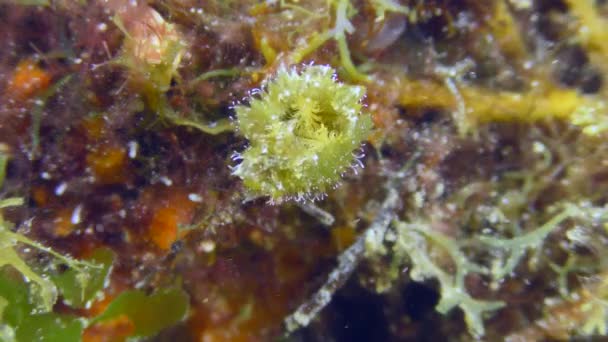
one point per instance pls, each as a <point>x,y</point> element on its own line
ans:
<point>302,129</point>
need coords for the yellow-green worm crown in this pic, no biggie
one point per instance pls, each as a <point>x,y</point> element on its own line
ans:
<point>302,129</point>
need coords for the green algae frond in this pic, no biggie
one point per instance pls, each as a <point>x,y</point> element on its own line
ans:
<point>302,131</point>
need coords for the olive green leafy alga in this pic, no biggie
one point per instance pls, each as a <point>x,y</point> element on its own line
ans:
<point>303,128</point>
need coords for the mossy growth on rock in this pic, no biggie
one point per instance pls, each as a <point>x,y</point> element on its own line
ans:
<point>303,128</point>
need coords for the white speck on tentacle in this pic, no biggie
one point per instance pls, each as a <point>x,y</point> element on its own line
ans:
<point>60,189</point>
<point>166,181</point>
<point>255,92</point>
<point>195,198</point>
<point>207,246</point>
<point>361,155</point>
<point>76,215</point>
<point>133,147</point>
<point>359,163</point>
<point>236,156</point>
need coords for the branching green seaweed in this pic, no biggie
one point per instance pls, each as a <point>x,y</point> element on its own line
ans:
<point>26,311</point>
<point>342,11</point>
<point>517,246</point>
<point>417,242</point>
<point>27,296</point>
<point>414,241</point>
